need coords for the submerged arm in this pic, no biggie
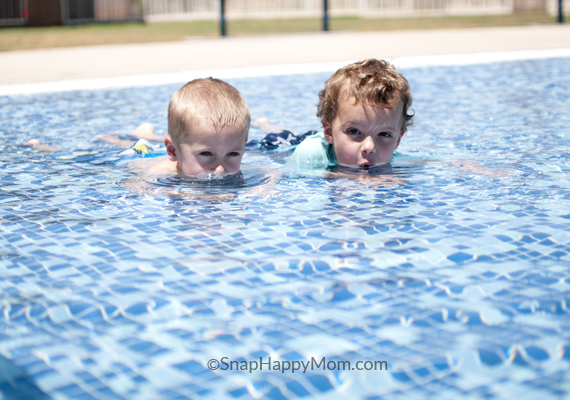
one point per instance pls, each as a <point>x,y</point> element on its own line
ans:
<point>35,143</point>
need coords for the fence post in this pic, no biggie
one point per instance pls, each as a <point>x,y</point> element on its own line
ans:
<point>560,12</point>
<point>222,17</point>
<point>326,15</point>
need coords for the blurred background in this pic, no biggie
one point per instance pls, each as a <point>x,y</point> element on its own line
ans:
<point>27,24</point>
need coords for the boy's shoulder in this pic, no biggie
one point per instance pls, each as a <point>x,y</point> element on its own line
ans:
<point>153,166</point>
<point>163,167</point>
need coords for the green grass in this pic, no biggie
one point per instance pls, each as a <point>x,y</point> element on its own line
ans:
<point>120,33</point>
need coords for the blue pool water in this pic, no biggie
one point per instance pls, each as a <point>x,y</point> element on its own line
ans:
<point>452,266</point>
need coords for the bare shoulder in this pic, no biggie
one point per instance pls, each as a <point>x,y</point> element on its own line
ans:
<point>162,167</point>
<point>154,166</point>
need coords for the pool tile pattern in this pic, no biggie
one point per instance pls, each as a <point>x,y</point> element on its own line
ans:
<point>453,266</point>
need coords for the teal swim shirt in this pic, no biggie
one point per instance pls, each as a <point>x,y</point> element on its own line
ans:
<point>313,153</point>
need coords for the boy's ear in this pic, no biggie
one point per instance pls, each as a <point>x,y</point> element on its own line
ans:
<point>400,138</point>
<point>170,149</point>
<point>328,131</point>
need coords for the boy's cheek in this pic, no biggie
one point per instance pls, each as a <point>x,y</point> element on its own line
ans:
<point>190,166</point>
<point>344,156</point>
<point>235,166</point>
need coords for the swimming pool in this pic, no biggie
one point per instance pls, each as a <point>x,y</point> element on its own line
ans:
<point>452,266</point>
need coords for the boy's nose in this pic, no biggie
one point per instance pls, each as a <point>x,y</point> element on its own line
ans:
<point>368,146</point>
<point>219,169</point>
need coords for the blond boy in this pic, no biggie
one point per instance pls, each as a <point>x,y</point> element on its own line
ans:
<point>208,124</point>
<point>364,113</point>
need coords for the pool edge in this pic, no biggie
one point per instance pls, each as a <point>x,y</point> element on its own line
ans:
<point>126,81</point>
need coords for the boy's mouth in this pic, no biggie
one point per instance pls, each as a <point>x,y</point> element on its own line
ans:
<point>366,165</point>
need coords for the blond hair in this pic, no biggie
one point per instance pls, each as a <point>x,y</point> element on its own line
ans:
<point>206,102</point>
<point>374,82</point>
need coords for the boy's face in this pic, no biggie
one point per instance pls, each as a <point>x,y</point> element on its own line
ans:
<point>217,151</point>
<point>362,135</point>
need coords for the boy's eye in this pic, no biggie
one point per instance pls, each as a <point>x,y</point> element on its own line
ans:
<point>385,134</point>
<point>233,154</point>
<point>206,153</point>
<point>353,131</point>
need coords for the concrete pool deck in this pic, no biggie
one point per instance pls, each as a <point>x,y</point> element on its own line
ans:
<point>29,71</point>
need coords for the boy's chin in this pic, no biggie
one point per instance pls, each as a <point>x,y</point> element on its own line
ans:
<point>365,166</point>
<point>366,169</point>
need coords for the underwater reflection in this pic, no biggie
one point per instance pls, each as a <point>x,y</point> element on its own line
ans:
<point>384,174</point>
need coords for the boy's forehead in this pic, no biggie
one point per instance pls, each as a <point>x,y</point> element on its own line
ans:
<point>354,102</point>
<point>353,110</point>
<point>211,135</point>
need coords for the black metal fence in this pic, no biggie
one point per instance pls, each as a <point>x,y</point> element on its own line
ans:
<point>79,10</point>
<point>13,12</point>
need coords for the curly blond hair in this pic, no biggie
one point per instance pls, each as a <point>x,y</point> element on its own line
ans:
<point>374,82</point>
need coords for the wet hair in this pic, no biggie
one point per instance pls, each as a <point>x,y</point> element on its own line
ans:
<point>206,102</point>
<point>374,82</point>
